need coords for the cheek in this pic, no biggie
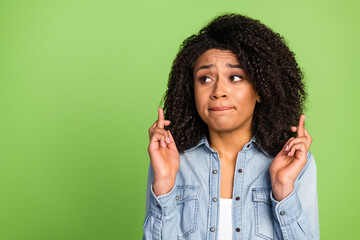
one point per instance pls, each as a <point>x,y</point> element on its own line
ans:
<point>200,97</point>
<point>201,102</point>
<point>245,100</point>
<point>200,105</point>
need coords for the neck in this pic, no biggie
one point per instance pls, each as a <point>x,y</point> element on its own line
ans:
<point>229,144</point>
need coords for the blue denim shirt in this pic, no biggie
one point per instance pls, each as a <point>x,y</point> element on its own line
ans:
<point>191,209</point>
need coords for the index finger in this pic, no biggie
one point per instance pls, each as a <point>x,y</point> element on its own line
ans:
<point>160,123</point>
<point>301,126</point>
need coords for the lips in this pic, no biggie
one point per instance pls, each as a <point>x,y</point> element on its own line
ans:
<point>220,108</point>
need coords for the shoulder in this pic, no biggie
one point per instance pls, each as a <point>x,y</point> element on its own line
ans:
<point>199,149</point>
<point>194,156</point>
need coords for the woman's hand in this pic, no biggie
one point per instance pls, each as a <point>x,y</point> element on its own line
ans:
<point>289,162</point>
<point>164,156</point>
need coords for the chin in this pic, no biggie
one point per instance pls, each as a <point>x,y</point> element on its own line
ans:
<point>222,128</point>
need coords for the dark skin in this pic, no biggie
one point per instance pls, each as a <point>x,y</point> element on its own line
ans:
<point>220,82</point>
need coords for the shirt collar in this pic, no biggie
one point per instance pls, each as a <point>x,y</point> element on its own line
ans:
<point>249,145</point>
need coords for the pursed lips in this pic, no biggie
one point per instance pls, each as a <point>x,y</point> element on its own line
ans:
<point>220,108</point>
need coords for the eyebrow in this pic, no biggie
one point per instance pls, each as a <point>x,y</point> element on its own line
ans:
<point>212,65</point>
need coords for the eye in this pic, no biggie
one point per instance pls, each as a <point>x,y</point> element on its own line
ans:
<point>203,79</point>
<point>236,78</point>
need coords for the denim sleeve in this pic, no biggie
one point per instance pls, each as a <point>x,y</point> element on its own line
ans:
<point>161,217</point>
<point>296,216</point>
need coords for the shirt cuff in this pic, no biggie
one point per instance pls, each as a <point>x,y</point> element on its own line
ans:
<point>287,210</point>
<point>162,205</point>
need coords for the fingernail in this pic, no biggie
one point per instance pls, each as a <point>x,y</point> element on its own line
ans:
<point>168,140</point>
<point>164,145</point>
<point>288,153</point>
<point>287,147</point>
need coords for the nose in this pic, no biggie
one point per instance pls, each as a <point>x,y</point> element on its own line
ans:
<point>219,90</point>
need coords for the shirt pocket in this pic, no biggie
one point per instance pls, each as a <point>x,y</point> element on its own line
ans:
<point>187,204</point>
<point>264,225</point>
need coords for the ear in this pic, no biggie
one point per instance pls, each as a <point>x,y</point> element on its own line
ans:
<point>258,98</point>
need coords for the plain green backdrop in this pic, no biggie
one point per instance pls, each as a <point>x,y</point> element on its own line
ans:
<point>80,83</point>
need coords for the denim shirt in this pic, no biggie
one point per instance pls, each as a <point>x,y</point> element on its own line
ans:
<point>191,209</point>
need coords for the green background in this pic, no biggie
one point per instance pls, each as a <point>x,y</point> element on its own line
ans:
<point>80,83</point>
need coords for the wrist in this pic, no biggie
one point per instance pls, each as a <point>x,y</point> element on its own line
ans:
<point>163,186</point>
<point>281,191</point>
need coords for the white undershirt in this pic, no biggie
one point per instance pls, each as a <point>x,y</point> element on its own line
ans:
<point>225,219</point>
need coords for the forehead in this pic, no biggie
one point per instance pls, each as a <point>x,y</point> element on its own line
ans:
<point>215,55</point>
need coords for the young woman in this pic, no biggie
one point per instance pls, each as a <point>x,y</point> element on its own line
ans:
<point>230,159</point>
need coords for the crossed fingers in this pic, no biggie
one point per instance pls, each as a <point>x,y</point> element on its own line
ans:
<point>303,139</point>
<point>157,129</point>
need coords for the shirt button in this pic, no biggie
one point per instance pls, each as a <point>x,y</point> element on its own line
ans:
<point>238,229</point>
<point>212,229</point>
<point>214,199</point>
<point>158,206</point>
<point>215,171</point>
<point>282,213</point>
<point>177,197</point>
<point>240,170</point>
<point>237,198</point>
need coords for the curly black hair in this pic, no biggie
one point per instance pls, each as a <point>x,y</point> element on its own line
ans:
<point>267,61</point>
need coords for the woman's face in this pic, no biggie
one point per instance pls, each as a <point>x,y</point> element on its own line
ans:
<point>224,98</point>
